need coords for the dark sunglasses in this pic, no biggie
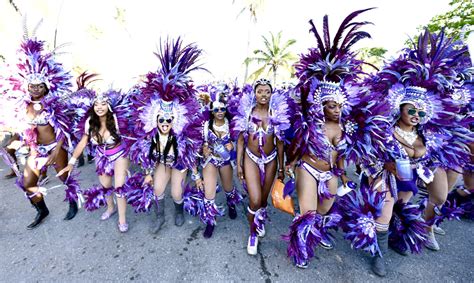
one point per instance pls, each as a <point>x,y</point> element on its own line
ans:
<point>161,120</point>
<point>221,109</point>
<point>413,111</point>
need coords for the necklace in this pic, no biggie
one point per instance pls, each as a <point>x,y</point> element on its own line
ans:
<point>37,106</point>
<point>224,128</point>
<point>409,137</point>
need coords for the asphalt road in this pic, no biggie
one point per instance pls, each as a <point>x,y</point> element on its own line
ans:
<point>86,249</point>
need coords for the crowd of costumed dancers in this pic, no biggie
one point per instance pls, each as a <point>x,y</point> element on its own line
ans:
<point>406,129</point>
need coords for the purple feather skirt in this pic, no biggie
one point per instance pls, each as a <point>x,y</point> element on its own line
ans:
<point>304,236</point>
<point>408,229</point>
<point>105,159</point>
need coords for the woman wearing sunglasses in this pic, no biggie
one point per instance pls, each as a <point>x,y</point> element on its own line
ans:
<point>427,138</point>
<point>258,126</point>
<point>168,131</point>
<point>217,157</point>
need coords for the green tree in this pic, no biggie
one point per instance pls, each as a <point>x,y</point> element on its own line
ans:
<point>373,56</point>
<point>273,57</point>
<point>457,22</point>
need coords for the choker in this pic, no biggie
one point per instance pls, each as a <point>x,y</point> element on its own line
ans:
<point>224,128</point>
<point>409,137</point>
<point>37,106</point>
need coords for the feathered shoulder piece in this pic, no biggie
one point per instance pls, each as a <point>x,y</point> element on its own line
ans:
<point>242,103</point>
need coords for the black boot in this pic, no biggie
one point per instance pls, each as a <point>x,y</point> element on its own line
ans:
<point>178,214</point>
<point>209,230</point>
<point>72,210</point>
<point>232,211</point>
<point>378,262</point>
<point>159,209</point>
<point>42,213</point>
<point>81,161</point>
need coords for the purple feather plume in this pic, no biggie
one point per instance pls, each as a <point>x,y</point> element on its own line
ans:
<point>193,200</point>
<point>234,197</point>
<point>139,195</point>
<point>210,212</point>
<point>408,230</point>
<point>73,187</point>
<point>96,197</point>
<point>359,210</point>
<point>303,237</point>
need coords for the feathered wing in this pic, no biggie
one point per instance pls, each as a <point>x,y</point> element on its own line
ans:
<point>367,126</point>
<point>240,121</point>
<point>280,113</point>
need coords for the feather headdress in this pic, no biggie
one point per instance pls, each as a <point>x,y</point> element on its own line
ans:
<point>169,93</point>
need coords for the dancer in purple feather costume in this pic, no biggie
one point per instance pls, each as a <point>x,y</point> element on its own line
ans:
<point>106,128</point>
<point>168,127</point>
<point>217,157</point>
<point>433,77</point>
<point>422,144</point>
<point>326,133</point>
<point>261,117</point>
<point>40,85</point>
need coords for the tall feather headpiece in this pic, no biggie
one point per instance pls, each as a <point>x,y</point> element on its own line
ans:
<point>330,65</point>
<point>35,66</point>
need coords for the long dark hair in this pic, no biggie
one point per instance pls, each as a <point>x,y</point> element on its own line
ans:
<point>94,124</point>
<point>211,117</point>
<point>171,142</point>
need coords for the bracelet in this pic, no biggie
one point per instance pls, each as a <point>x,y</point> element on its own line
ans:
<point>72,161</point>
<point>196,176</point>
<point>281,170</point>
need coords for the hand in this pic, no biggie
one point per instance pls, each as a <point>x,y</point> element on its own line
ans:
<point>345,179</point>
<point>52,157</point>
<point>390,167</point>
<point>240,172</point>
<point>290,170</point>
<point>68,168</point>
<point>148,179</point>
<point>281,174</point>
<point>199,184</point>
<point>229,146</point>
<point>206,151</point>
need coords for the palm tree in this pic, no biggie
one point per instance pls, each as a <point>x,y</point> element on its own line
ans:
<point>254,7</point>
<point>273,57</point>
